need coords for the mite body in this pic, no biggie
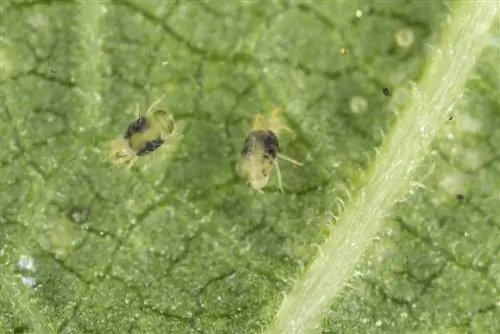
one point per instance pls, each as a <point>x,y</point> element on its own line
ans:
<point>260,153</point>
<point>143,136</point>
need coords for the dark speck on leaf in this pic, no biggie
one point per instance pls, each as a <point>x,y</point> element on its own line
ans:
<point>386,91</point>
<point>460,197</point>
<point>451,118</point>
<point>79,214</point>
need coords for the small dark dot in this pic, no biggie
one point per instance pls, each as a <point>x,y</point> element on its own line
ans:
<point>386,91</point>
<point>78,214</point>
<point>451,118</point>
<point>460,197</point>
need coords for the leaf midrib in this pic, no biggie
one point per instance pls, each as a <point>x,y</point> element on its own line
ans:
<point>391,173</point>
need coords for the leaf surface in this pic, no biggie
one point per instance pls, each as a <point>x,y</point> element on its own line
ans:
<point>180,244</point>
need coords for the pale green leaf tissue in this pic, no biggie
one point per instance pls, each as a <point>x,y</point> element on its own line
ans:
<point>390,226</point>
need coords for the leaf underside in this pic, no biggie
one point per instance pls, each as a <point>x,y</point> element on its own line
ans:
<point>180,244</point>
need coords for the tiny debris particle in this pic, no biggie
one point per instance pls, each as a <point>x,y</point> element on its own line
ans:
<point>386,91</point>
<point>451,118</point>
<point>28,281</point>
<point>358,104</point>
<point>460,197</point>
<point>78,214</point>
<point>405,37</point>
<point>27,262</point>
<point>359,13</point>
<point>344,51</point>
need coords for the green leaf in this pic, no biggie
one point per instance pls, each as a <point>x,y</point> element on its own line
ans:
<point>180,243</point>
<point>434,267</point>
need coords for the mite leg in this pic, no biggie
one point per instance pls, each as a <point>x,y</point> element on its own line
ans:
<point>272,121</point>
<point>132,162</point>
<point>280,179</point>
<point>137,110</point>
<point>275,112</point>
<point>155,103</point>
<point>284,157</point>
<point>257,122</point>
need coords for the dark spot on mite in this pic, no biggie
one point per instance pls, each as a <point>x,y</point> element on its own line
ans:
<point>271,144</point>
<point>460,197</point>
<point>139,125</point>
<point>79,214</point>
<point>265,138</point>
<point>386,91</point>
<point>270,152</point>
<point>150,146</point>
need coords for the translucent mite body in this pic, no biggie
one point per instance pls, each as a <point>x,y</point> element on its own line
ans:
<point>260,152</point>
<point>143,136</point>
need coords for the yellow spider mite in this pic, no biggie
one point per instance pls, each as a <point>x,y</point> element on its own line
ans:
<point>143,136</point>
<point>260,152</point>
